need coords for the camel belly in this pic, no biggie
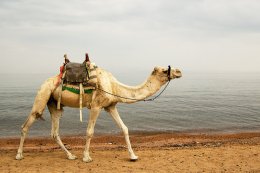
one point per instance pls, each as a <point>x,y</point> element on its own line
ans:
<point>71,99</point>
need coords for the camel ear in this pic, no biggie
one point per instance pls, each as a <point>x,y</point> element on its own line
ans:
<point>155,70</point>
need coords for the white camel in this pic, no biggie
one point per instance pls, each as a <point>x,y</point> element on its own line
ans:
<point>48,95</point>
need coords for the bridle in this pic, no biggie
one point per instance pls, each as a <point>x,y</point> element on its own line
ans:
<point>169,73</point>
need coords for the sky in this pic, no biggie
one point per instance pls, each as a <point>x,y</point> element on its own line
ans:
<point>125,35</point>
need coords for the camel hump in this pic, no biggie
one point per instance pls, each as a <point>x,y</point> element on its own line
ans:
<point>83,75</point>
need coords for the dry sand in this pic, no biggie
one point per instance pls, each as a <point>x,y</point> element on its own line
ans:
<point>157,153</point>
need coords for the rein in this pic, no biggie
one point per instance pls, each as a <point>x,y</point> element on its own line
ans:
<point>151,99</point>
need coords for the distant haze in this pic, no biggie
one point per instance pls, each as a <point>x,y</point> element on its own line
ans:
<point>125,35</point>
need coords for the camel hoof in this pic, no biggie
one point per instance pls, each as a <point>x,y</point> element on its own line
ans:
<point>134,158</point>
<point>19,156</point>
<point>72,157</point>
<point>87,159</point>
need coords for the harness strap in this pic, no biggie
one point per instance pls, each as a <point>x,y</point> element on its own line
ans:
<point>81,90</point>
<point>60,91</point>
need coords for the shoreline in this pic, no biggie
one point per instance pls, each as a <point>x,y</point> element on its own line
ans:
<point>158,152</point>
<point>148,132</point>
<point>138,140</point>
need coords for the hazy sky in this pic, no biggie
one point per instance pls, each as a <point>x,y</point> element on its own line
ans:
<point>122,35</point>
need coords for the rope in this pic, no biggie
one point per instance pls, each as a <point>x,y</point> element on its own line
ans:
<point>152,99</point>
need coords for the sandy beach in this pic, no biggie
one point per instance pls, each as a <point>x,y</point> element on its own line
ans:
<point>158,152</point>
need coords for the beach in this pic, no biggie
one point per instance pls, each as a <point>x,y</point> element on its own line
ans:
<point>158,152</point>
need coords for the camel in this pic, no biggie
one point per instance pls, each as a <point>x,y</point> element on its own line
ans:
<point>95,102</point>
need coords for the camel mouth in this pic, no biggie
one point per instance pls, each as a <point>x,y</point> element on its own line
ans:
<point>177,73</point>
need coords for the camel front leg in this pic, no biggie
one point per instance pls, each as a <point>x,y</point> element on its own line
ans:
<point>114,113</point>
<point>94,112</point>
<point>55,117</point>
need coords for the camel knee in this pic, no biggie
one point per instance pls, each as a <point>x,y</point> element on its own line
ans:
<point>24,131</point>
<point>27,124</point>
<point>54,133</point>
<point>90,133</point>
<point>54,136</point>
<point>125,130</point>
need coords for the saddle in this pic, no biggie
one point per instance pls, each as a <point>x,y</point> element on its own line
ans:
<point>76,73</point>
<point>79,73</point>
<point>82,76</point>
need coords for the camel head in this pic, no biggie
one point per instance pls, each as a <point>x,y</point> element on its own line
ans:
<point>164,74</point>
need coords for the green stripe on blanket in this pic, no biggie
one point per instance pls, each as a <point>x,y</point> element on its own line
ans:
<point>76,91</point>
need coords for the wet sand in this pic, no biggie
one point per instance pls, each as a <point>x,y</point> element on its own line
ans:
<point>158,152</point>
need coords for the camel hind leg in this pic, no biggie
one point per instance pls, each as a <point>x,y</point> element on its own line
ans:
<point>24,131</point>
<point>39,105</point>
<point>55,117</point>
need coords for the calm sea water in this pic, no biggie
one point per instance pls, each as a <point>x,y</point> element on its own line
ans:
<point>198,102</point>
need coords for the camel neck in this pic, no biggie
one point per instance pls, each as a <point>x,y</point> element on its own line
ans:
<point>139,92</point>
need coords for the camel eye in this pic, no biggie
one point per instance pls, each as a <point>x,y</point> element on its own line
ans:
<point>165,71</point>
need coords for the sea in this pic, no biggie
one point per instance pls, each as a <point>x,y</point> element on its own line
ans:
<point>198,102</point>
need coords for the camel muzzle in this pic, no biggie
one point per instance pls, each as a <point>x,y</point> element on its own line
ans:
<point>177,73</point>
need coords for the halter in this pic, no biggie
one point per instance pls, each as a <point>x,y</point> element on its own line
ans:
<point>169,72</point>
